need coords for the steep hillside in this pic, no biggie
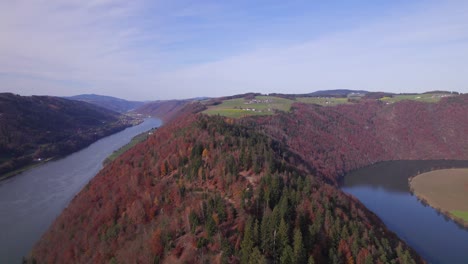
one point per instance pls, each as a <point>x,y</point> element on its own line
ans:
<point>210,190</point>
<point>338,139</point>
<point>108,102</point>
<point>38,128</point>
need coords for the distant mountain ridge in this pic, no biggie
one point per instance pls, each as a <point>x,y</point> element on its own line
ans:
<point>337,92</point>
<point>112,103</point>
<point>36,128</point>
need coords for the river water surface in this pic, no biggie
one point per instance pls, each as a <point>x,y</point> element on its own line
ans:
<point>384,189</point>
<point>29,202</point>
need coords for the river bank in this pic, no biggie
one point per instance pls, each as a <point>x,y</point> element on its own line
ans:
<point>444,190</point>
<point>383,188</point>
<point>30,201</point>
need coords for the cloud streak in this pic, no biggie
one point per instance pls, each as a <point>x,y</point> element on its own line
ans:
<point>141,50</point>
<point>66,40</point>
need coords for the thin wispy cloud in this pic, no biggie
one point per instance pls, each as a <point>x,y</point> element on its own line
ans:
<point>68,41</point>
<point>178,49</point>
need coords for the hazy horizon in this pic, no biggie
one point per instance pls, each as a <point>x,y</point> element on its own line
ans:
<point>146,50</point>
<point>197,97</point>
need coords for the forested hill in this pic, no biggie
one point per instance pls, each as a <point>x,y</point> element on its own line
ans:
<point>108,102</point>
<point>37,128</point>
<point>338,139</point>
<point>207,189</point>
<point>254,190</point>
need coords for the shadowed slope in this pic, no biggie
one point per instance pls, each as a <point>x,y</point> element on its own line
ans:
<point>44,127</point>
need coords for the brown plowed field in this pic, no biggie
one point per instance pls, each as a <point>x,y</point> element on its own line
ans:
<point>445,190</point>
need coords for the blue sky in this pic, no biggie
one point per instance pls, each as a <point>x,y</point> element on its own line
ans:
<point>149,50</point>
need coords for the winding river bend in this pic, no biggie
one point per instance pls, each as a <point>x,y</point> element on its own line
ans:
<point>384,189</point>
<point>29,202</point>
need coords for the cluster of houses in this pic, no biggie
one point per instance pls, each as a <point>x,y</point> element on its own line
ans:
<point>256,101</point>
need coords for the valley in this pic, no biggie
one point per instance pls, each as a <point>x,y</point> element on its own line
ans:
<point>233,132</point>
<point>37,129</point>
<point>112,103</point>
<point>198,188</point>
<point>197,164</point>
<point>233,179</point>
<point>30,201</point>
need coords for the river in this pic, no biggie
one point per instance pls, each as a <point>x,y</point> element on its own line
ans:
<point>29,202</point>
<point>384,189</point>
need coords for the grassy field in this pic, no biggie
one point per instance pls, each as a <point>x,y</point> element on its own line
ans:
<point>325,101</point>
<point>261,105</point>
<point>461,214</point>
<point>135,140</point>
<point>265,105</point>
<point>428,98</point>
<point>445,190</point>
